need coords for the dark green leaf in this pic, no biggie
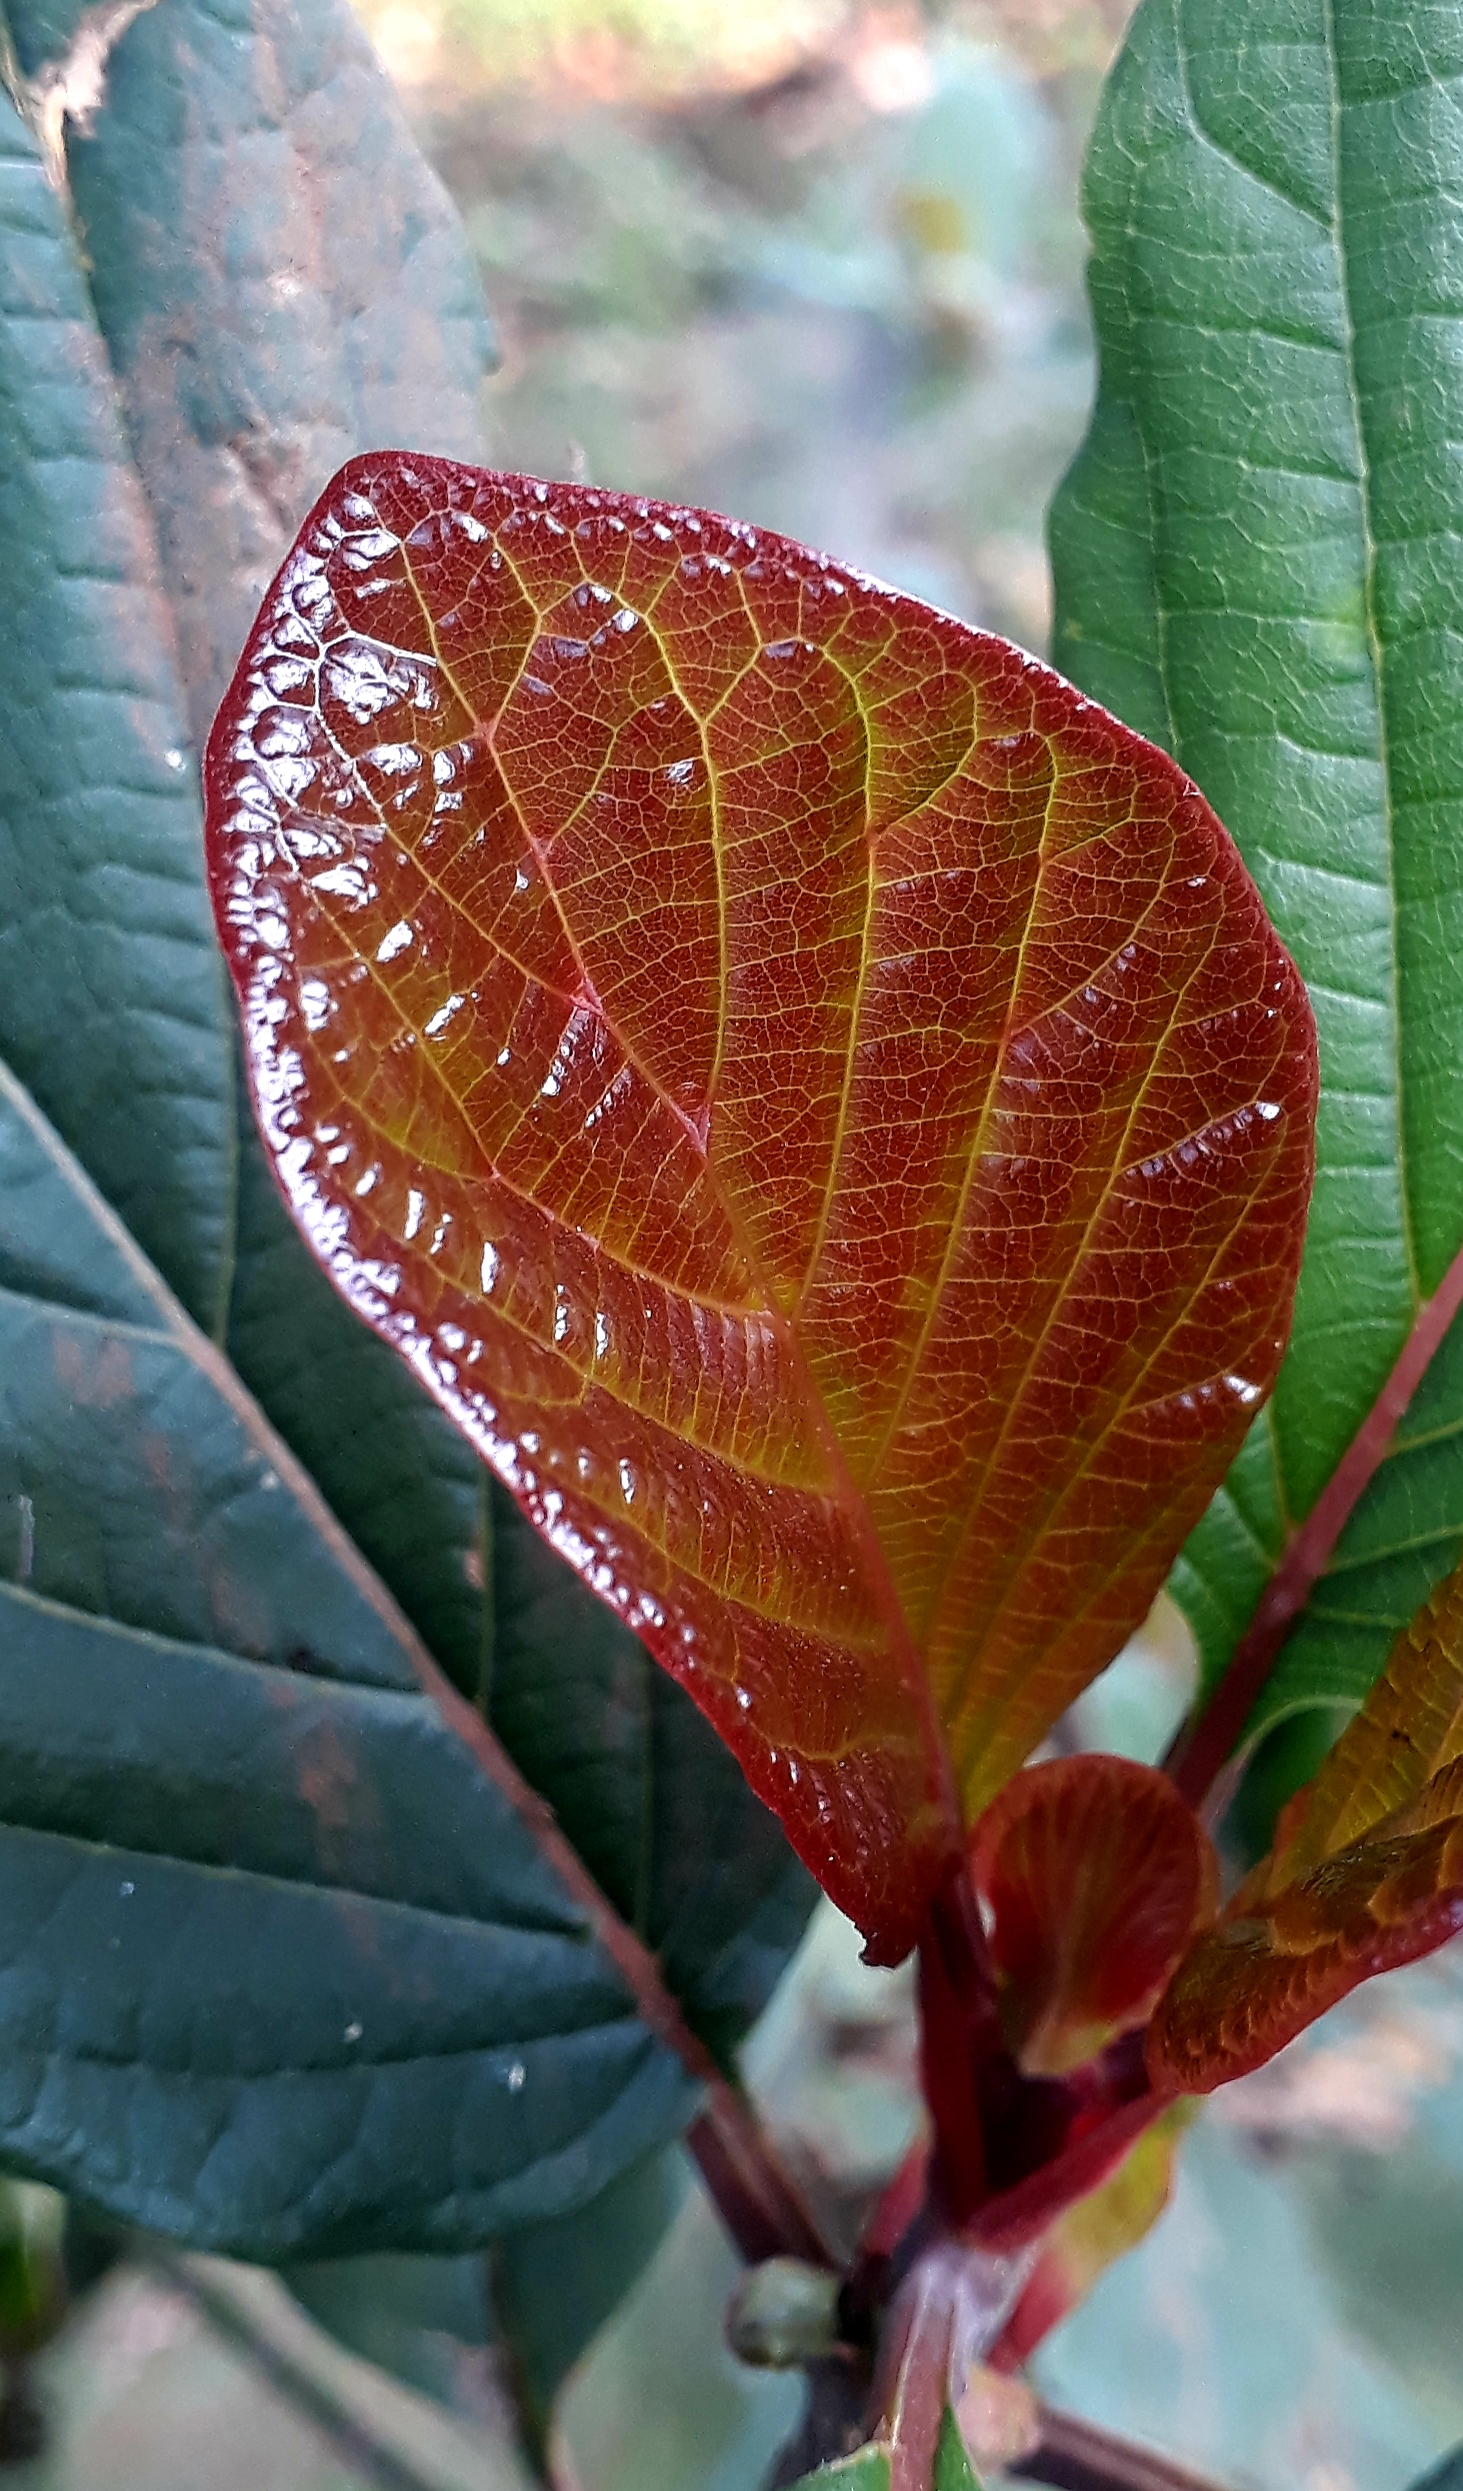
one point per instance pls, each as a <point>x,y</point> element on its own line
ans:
<point>534,2301</point>
<point>1445,2477</point>
<point>414,2316</point>
<point>1256,564</point>
<point>554,2286</point>
<point>242,393</point>
<point>283,1967</point>
<point>278,279</point>
<point>112,1000</point>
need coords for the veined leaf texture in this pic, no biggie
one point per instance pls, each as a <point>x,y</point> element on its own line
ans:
<point>1366,1873</point>
<point>1094,1874</point>
<point>1254,564</point>
<point>816,1099</point>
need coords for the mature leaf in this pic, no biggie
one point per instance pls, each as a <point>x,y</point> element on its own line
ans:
<point>223,131</point>
<point>555,2285</point>
<point>224,137</point>
<point>283,1966</point>
<point>279,276</point>
<point>1254,565</point>
<point>1366,1873</point>
<point>1094,1874</point>
<point>112,1003</point>
<point>1405,1536</point>
<point>420,2318</point>
<point>235,143</point>
<point>859,1252</point>
<point>1445,2477</point>
<point>538,2296</point>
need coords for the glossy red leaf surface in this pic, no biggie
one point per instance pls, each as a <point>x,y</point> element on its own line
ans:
<point>1366,1873</point>
<point>818,1101</point>
<point>1094,1874</point>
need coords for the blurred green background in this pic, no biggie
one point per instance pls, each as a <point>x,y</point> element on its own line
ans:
<point>820,266</point>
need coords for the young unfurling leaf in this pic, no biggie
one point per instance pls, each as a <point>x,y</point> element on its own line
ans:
<point>1366,1873</point>
<point>1095,1874</point>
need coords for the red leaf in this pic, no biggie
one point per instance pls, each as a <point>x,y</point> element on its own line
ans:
<point>818,1101</point>
<point>1366,1873</point>
<point>1094,1874</point>
<point>1249,1986</point>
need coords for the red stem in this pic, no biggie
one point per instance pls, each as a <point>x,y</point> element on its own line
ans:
<point>919,2404</point>
<point>1022,2213</point>
<point>1199,1753</point>
<point>1076,2456</point>
<point>759,2204</point>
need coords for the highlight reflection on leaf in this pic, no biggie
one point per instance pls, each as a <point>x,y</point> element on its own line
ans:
<point>817,1101</point>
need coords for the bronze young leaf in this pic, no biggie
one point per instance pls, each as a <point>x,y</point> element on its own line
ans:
<point>816,1099</point>
<point>1366,1873</point>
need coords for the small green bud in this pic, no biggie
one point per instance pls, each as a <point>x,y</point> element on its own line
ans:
<point>784,2314</point>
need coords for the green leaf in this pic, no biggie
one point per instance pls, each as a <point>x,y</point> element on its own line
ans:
<point>537,2298</point>
<point>1404,1538</point>
<point>1255,564</point>
<point>953,2469</point>
<point>279,276</point>
<point>134,1500</point>
<point>283,1967</point>
<point>111,991</point>
<point>866,2470</point>
<point>1445,2477</point>
<point>240,399</point>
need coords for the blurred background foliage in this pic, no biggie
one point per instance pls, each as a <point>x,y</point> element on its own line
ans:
<point>819,265</point>
<point>813,264</point>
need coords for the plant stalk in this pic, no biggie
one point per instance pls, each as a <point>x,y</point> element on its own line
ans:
<point>254,2310</point>
<point>1073,2455</point>
<point>1200,1752</point>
